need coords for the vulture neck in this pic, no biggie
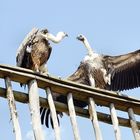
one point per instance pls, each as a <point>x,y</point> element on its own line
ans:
<point>55,39</point>
<point>89,49</point>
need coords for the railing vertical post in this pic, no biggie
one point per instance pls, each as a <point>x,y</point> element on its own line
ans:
<point>73,116</point>
<point>133,124</point>
<point>94,119</point>
<point>53,114</point>
<point>34,110</point>
<point>12,106</point>
<point>115,122</point>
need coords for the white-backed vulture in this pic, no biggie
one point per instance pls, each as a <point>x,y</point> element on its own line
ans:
<point>116,73</point>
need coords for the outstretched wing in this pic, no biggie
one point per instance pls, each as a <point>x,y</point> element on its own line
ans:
<point>124,70</point>
<point>80,75</point>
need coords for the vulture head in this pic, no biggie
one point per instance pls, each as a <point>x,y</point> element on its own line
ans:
<point>84,40</point>
<point>81,37</point>
<point>44,31</point>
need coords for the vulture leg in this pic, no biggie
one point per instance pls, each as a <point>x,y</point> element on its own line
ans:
<point>43,69</point>
<point>36,67</point>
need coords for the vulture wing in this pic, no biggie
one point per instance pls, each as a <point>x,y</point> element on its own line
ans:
<point>20,56</point>
<point>80,75</point>
<point>124,70</point>
<point>21,52</point>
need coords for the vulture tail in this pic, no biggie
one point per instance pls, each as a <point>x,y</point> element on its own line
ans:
<point>45,116</point>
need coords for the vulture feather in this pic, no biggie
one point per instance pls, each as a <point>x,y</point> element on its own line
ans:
<point>36,52</point>
<point>116,73</point>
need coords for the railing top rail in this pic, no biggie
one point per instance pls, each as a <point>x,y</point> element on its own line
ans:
<point>80,92</point>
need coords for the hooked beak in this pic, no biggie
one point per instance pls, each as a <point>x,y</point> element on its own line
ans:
<point>79,38</point>
<point>66,35</point>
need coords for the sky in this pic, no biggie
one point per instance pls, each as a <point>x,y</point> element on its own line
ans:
<point>112,27</point>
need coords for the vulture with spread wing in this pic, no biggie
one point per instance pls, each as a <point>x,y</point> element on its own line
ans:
<point>116,73</point>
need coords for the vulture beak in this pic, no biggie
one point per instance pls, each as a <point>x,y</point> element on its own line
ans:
<point>80,38</point>
<point>66,35</point>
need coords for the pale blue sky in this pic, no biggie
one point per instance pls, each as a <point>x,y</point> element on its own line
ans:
<point>112,27</point>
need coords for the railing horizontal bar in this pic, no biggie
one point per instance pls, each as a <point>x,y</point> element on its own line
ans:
<point>23,98</point>
<point>29,74</point>
<point>80,92</point>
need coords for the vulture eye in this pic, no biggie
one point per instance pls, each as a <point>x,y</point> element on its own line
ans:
<point>44,31</point>
<point>80,37</point>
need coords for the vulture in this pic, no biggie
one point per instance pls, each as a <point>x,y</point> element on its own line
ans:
<point>116,73</point>
<point>36,52</point>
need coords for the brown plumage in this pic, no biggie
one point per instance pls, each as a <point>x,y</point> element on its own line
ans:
<point>40,53</point>
<point>115,73</point>
<point>80,75</point>
<point>36,52</point>
<point>124,71</point>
